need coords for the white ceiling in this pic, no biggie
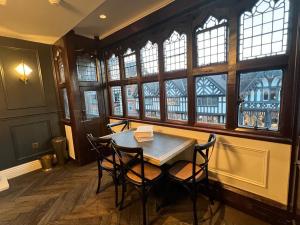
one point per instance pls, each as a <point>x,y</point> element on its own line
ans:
<point>39,21</point>
<point>120,13</point>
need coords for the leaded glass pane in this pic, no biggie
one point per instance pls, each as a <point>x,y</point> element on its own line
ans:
<point>91,104</point>
<point>113,68</point>
<point>212,42</point>
<point>211,99</point>
<point>86,68</point>
<point>264,30</point>
<point>61,70</point>
<point>151,100</point>
<point>66,104</point>
<point>175,52</point>
<point>132,100</point>
<point>116,100</point>
<point>130,63</point>
<point>177,99</point>
<point>260,93</point>
<point>149,59</point>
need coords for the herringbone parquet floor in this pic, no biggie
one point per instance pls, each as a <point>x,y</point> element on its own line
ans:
<point>66,196</point>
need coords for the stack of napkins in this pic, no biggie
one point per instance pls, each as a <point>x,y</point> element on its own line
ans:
<point>144,133</point>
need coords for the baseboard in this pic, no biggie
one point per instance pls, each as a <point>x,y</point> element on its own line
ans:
<point>21,169</point>
<point>3,183</point>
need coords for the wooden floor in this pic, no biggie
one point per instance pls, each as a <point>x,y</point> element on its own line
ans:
<point>66,196</point>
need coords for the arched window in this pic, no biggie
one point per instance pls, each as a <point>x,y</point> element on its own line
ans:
<point>175,52</point>
<point>212,42</point>
<point>86,68</point>
<point>130,63</point>
<point>149,59</point>
<point>113,68</point>
<point>264,30</point>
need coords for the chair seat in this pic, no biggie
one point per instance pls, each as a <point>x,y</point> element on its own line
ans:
<point>182,170</point>
<point>151,172</point>
<point>107,164</point>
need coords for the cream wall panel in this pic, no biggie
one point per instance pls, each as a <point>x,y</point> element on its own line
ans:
<point>69,137</point>
<point>255,166</point>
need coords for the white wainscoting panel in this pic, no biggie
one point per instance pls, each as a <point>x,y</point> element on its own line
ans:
<point>241,163</point>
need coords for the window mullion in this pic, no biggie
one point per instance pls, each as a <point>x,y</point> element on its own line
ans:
<point>139,75</point>
<point>190,80</point>
<point>232,96</point>
<point>122,77</point>
<point>161,81</point>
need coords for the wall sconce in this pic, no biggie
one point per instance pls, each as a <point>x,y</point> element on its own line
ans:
<point>23,70</point>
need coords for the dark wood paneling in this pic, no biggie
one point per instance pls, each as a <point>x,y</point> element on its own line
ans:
<point>28,112</point>
<point>19,95</point>
<point>24,135</point>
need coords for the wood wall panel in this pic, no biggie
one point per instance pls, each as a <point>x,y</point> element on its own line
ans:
<point>23,135</point>
<point>19,95</point>
<point>28,112</point>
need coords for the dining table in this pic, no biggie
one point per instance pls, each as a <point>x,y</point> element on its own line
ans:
<point>158,151</point>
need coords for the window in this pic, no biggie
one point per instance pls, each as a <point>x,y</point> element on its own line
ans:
<point>130,64</point>
<point>66,104</point>
<point>264,30</point>
<point>149,59</point>
<point>113,68</point>
<point>257,111</point>
<point>86,68</point>
<point>175,52</point>
<point>151,100</point>
<point>211,99</point>
<point>132,100</point>
<point>116,101</point>
<point>177,99</point>
<point>61,70</point>
<point>91,104</point>
<point>212,42</point>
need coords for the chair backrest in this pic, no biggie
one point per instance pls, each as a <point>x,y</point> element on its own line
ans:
<point>205,150</point>
<point>100,145</point>
<point>123,123</point>
<point>137,156</point>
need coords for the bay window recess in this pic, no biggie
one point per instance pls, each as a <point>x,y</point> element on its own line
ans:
<point>198,96</point>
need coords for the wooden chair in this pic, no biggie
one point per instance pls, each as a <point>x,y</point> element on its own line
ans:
<point>124,123</point>
<point>105,161</point>
<point>190,174</point>
<point>141,174</point>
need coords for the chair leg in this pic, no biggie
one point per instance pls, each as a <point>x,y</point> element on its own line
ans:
<point>144,201</point>
<point>123,192</point>
<point>210,196</point>
<point>116,189</point>
<point>194,199</point>
<point>100,173</point>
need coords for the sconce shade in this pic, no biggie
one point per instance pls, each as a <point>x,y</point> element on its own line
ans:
<point>23,70</point>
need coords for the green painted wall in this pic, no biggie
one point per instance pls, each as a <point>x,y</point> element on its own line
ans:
<point>28,112</point>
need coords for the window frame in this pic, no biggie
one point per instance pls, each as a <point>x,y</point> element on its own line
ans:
<point>232,67</point>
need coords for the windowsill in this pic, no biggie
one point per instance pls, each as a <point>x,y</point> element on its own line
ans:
<point>262,135</point>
